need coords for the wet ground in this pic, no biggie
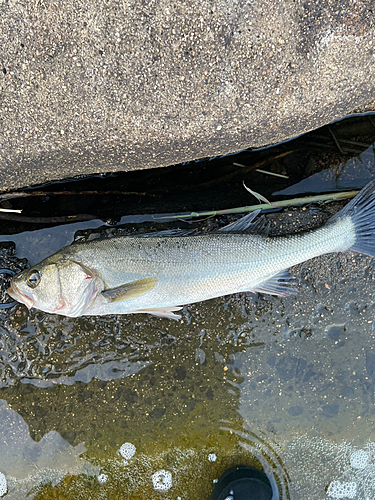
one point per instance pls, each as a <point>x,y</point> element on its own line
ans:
<point>286,384</point>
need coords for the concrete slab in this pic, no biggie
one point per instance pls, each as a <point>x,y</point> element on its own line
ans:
<point>91,86</point>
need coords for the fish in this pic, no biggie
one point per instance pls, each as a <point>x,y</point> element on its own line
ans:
<point>159,273</point>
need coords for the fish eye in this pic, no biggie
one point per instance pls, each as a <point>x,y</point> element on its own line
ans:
<point>33,279</point>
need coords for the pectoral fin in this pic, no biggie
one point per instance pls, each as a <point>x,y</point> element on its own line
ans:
<point>129,290</point>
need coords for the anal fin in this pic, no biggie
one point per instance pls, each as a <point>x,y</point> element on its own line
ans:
<point>162,312</point>
<point>280,284</point>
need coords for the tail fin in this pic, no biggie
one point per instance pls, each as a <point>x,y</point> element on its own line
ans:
<point>362,212</point>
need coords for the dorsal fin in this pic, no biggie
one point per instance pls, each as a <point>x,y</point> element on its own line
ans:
<point>167,232</point>
<point>246,224</point>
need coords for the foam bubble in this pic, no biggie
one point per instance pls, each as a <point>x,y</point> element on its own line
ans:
<point>3,485</point>
<point>337,489</point>
<point>102,478</point>
<point>127,450</point>
<point>359,459</point>
<point>162,480</point>
<point>212,457</point>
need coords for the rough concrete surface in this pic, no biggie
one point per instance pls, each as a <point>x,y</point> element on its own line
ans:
<point>95,86</point>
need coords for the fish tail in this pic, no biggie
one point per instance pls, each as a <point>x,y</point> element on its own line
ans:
<point>361,211</point>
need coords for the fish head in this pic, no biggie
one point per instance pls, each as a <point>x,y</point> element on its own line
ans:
<point>63,287</point>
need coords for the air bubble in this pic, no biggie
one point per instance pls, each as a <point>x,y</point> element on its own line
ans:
<point>102,478</point>
<point>336,489</point>
<point>127,450</point>
<point>212,457</point>
<point>162,480</point>
<point>359,459</point>
<point>3,485</point>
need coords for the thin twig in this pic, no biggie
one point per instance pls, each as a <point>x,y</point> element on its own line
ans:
<point>29,194</point>
<point>10,211</point>
<point>244,170</point>
<point>371,120</point>
<point>353,151</point>
<point>345,141</point>
<point>265,206</point>
<point>272,173</point>
<point>336,141</point>
<point>48,220</point>
<point>320,145</point>
<point>356,143</point>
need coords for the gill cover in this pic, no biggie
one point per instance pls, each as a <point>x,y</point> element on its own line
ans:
<point>79,287</point>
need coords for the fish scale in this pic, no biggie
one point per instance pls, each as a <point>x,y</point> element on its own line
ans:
<point>196,268</point>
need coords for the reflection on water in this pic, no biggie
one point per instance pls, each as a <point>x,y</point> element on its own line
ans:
<point>27,463</point>
<point>268,455</point>
<point>285,384</point>
<point>349,174</point>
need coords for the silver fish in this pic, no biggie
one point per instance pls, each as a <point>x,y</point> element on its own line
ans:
<point>157,274</point>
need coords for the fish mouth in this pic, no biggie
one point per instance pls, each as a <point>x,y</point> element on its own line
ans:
<point>14,292</point>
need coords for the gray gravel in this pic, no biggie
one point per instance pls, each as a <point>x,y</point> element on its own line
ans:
<point>104,86</point>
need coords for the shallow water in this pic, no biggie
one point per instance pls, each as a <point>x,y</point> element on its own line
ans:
<point>286,384</point>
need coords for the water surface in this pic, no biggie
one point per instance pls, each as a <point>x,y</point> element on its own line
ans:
<point>286,384</point>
